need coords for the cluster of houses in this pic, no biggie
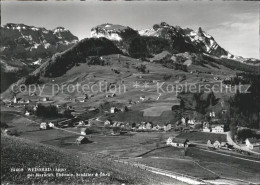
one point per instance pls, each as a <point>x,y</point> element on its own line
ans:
<point>177,142</point>
<point>115,109</point>
<point>188,121</point>
<point>110,95</point>
<point>215,128</point>
<point>143,126</point>
<point>141,99</point>
<point>16,100</point>
<point>217,144</point>
<point>45,126</point>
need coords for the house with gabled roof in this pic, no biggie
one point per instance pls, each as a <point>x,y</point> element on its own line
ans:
<point>217,128</point>
<point>81,140</point>
<point>252,143</point>
<point>177,142</point>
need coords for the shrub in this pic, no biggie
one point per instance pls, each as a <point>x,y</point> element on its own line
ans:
<point>141,68</point>
<point>47,111</point>
<point>32,79</point>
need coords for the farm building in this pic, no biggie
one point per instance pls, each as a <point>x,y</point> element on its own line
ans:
<point>206,127</point>
<point>45,99</point>
<point>27,113</point>
<point>156,127</point>
<point>252,143</point>
<point>124,109</point>
<point>27,101</point>
<point>149,125</point>
<point>217,144</point>
<point>141,127</point>
<point>167,127</point>
<point>44,126</point>
<point>35,107</point>
<point>82,100</point>
<point>142,98</point>
<point>217,128</point>
<point>183,120</point>
<point>113,110</point>
<point>212,114</point>
<point>83,131</point>
<point>20,100</point>
<point>51,125</point>
<point>81,140</point>
<point>177,142</point>
<point>14,99</point>
<point>191,122</point>
<point>81,123</point>
<point>107,123</point>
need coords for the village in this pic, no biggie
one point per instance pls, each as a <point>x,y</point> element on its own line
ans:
<point>117,128</point>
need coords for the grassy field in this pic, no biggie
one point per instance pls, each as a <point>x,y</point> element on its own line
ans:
<point>227,166</point>
<point>20,153</point>
<point>156,111</point>
<point>203,137</point>
<point>179,166</point>
<point>197,161</point>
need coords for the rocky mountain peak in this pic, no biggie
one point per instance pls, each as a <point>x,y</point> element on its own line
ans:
<point>113,32</point>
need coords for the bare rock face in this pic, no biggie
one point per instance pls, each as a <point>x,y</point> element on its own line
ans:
<point>200,40</point>
<point>24,42</point>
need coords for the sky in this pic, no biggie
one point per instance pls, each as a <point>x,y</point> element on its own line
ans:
<point>234,25</point>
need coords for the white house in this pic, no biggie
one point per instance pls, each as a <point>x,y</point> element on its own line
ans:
<point>113,110</point>
<point>191,122</point>
<point>206,129</point>
<point>35,107</point>
<point>252,143</point>
<point>107,123</point>
<point>81,140</point>
<point>142,98</point>
<point>216,144</point>
<point>27,101</point>
<point>51,125</point>
<point>177,142</point>
<point>83,131</point>
<point>82,100</point>
<point>44,126</point>
<point>15,99</point>
<point>217,128</point>
<point>212,114</point>
<point>20,100</point>
<point>149,125</point>
<point>81,123</point>
<point>167,127</point>
<point>183,120</point>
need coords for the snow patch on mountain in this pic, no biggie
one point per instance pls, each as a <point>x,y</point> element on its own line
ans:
<point>112,31</point>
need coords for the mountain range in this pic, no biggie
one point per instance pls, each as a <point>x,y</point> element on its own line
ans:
<point>182,40</point>
<point>24,48</point>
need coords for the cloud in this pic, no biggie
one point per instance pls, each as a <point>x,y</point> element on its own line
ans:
<point>239,35</point>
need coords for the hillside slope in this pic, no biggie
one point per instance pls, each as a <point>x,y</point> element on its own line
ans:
<point>21,153</point>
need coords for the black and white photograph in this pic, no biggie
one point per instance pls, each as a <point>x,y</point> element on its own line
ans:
<point>125,92</point>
